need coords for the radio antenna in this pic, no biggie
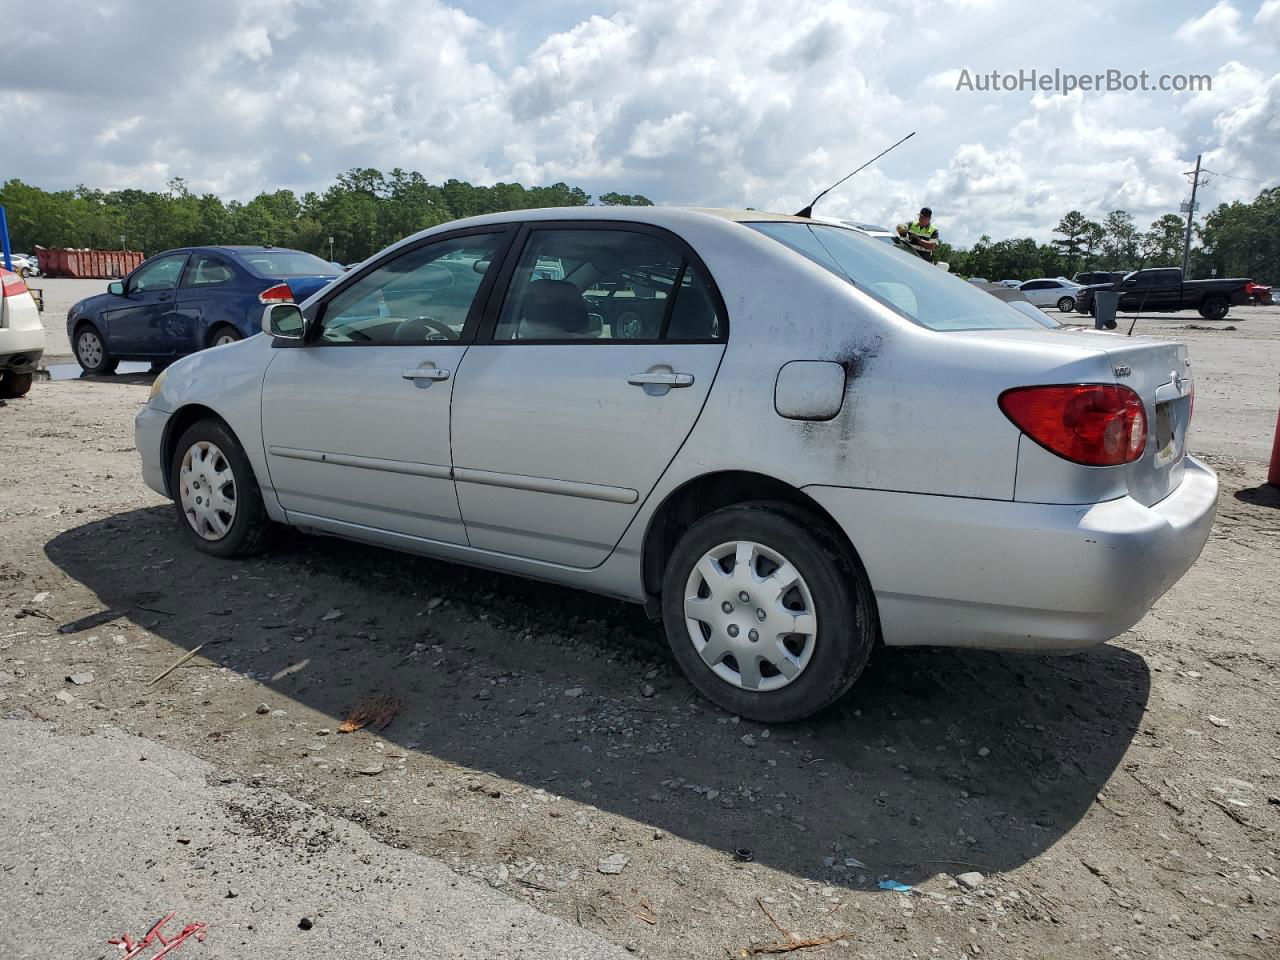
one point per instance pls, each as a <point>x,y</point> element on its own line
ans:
<point>808,211</point>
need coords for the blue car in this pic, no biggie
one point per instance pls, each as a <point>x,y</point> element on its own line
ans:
<point>181,301</point>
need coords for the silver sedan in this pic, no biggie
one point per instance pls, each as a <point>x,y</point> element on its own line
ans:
<point>789,441</point>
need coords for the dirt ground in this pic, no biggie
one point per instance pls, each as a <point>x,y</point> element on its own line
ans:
<point>1120,802</point>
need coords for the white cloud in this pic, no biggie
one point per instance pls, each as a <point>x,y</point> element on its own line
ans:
<point>711,102</point>
<point>1267,20</point>
<point>1219,26</point>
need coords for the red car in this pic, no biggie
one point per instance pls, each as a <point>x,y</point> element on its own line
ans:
<point>1258,294</point>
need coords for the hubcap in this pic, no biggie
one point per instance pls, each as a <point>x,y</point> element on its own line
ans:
<point>750,616</point>
<point>223,340</point>
<point>208,490</point>
<point>89,347</point>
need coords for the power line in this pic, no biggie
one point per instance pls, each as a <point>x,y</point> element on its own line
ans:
<point>1232,176</point>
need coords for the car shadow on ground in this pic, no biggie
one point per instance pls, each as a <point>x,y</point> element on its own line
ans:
<point>938,761</point>
<point>130,373</point>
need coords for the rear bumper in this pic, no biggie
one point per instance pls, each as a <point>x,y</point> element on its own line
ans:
<point>148,437</point>
<point>22,361</point>
<point>1002,575</point>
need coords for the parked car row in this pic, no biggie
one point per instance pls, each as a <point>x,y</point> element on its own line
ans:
<point>24,265</point>
<point>734,418</point>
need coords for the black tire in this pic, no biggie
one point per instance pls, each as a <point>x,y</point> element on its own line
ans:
<point>250,527</point>
<point>24,272</point>
<point>14,385</point>
<point>223,330</point>
<point>847,623</point>
<point>1215,308</point>
<point>105,363</point>
<point>1066,304</point>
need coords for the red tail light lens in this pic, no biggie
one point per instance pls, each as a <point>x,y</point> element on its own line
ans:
<point>11,284</point>
<point>1096,424</point>
<point>280,293</point>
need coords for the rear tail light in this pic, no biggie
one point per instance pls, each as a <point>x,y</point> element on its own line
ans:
<point>1095,424</point>
<point>11,284</point>
<point>280,293</point>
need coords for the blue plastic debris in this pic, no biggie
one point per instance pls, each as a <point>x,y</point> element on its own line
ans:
<point>895,886</point>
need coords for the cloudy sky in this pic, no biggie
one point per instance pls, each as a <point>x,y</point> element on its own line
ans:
<point>707,102</point>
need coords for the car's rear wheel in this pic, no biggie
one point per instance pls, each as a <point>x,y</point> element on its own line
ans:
<point>1066,304</point>
<point>1215,308</point>
<point>215,493</point>
<point>14,385</point>
<point>223,334</point>
<point>767,613</point>
<point>92,353</point>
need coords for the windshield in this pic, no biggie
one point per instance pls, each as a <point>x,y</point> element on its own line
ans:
<point>901,281</point>
<point>287,263</point>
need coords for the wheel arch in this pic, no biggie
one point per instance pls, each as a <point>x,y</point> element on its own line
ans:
<point>177,425</point>
<point>699,496</point>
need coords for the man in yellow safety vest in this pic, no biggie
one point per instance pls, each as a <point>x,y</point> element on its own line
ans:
<point>921,234</point>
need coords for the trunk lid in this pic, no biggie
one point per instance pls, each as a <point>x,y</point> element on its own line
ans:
<point>1160,373</point>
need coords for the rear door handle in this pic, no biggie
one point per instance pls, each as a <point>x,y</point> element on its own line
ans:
<point>661,379</point>
<point>425,373</point>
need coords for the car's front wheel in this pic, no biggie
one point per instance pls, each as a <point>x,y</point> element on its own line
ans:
<point>766,611</point>
<point>92,353</point>
<point>215,493</point>
<point>1066,304</point>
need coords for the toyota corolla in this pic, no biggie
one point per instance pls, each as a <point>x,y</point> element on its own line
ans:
<point>789,441</point>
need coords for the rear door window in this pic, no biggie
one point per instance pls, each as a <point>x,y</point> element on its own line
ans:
<point>606,285</point>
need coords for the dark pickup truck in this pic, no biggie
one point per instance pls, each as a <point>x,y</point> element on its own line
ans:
<point>1162,290</point>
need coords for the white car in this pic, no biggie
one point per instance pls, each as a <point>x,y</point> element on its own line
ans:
<point>1051,292</point>
<point>21,336</point>
<point>24,265</point>
<point>788,440</point>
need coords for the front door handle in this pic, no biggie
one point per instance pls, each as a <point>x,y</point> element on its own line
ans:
<point>425,373</point>
<point>661,379</point>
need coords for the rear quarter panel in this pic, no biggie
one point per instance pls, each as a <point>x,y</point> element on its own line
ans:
<point>919,413</point>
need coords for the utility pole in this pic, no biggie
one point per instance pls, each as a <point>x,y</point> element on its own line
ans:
<point>1191,212</point>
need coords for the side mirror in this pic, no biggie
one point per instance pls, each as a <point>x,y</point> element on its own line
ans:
<point>283,320</point>
<point>116,287</point>
<point>480,266</point>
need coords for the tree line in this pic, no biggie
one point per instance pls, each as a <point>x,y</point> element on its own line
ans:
<point>365,210</point>
<point>1235,240</point>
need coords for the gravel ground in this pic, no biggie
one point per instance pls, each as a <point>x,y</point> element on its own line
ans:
<point>1120,802</point>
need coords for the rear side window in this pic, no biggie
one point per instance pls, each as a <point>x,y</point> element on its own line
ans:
<point>204,270</point>
<point>901,281</point>
<point>606,285</point>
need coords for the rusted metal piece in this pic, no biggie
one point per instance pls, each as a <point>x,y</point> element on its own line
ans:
<point>134,949</point>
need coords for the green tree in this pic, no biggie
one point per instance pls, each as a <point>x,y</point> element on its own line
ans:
<point>1120,240</point>
<point>1074,227</point>
<point>624,200</point>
